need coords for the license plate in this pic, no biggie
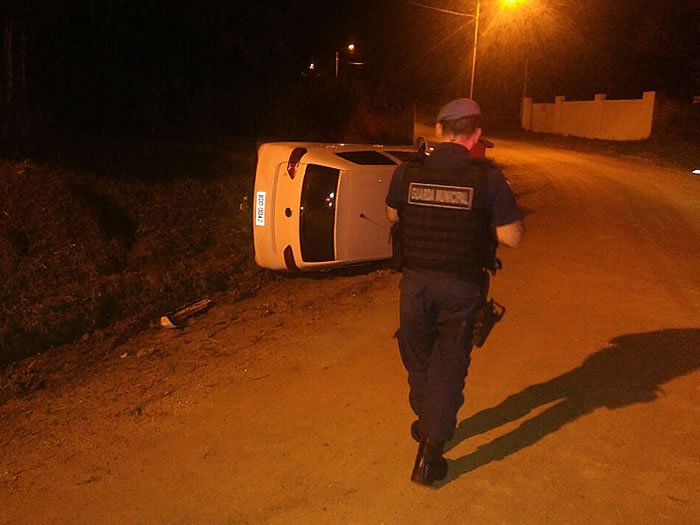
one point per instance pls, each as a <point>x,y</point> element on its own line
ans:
<point>260,208</point>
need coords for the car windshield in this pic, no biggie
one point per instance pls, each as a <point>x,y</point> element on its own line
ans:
<point>317,218</point>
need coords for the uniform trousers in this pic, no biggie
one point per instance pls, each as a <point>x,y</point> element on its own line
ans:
<point>434,338</point>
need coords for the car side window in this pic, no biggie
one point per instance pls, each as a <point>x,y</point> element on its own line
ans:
<point>370,158</point>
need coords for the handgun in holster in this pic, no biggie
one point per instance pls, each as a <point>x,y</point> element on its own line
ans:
<point>486,317</point>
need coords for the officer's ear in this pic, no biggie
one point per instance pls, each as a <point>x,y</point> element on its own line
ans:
<point>438,130</point>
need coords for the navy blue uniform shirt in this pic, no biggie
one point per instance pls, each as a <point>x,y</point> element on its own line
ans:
<point>447,155</point>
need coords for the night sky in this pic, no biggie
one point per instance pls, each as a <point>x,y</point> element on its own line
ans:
<point>137,66</point>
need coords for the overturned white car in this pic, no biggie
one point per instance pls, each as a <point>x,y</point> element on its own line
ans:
<point>321,205</point>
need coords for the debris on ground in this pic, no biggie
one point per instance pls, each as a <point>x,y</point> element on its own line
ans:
<point>178,318</point>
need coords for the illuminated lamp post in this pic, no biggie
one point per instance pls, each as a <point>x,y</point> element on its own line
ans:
<point>477,16</point>
<point>351,49</point>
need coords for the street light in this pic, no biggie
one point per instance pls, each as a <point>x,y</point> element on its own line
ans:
<point>351,49</point>
<point>477,17</point>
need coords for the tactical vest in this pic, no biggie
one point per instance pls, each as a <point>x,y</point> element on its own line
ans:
<point>445,222</point>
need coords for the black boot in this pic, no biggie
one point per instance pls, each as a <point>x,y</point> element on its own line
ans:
<point>430,466</point>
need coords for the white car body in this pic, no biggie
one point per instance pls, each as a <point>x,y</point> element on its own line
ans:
<point>321,205</point>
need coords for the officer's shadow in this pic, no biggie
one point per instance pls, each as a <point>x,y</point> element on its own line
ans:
<point>631,369</point>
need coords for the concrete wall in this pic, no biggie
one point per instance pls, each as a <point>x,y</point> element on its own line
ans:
<point>596,119</point>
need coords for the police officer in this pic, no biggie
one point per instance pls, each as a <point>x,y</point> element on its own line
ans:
<point>452,210</point>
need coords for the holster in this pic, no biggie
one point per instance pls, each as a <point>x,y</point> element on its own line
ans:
<point>486,317</point>
<point>396,247</point>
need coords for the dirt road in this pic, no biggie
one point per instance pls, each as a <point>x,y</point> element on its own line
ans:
<point>291,406</point>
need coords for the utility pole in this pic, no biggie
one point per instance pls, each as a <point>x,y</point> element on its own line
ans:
<point>337,62</point>
<point>476,41</point>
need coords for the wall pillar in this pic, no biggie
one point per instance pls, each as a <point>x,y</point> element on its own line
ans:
<point>598,110</point>
<point>526,113</point>
<point>558,107</point>
<point>649,104</point>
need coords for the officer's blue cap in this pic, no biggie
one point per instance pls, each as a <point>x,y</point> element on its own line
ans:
<point>459,108</point>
